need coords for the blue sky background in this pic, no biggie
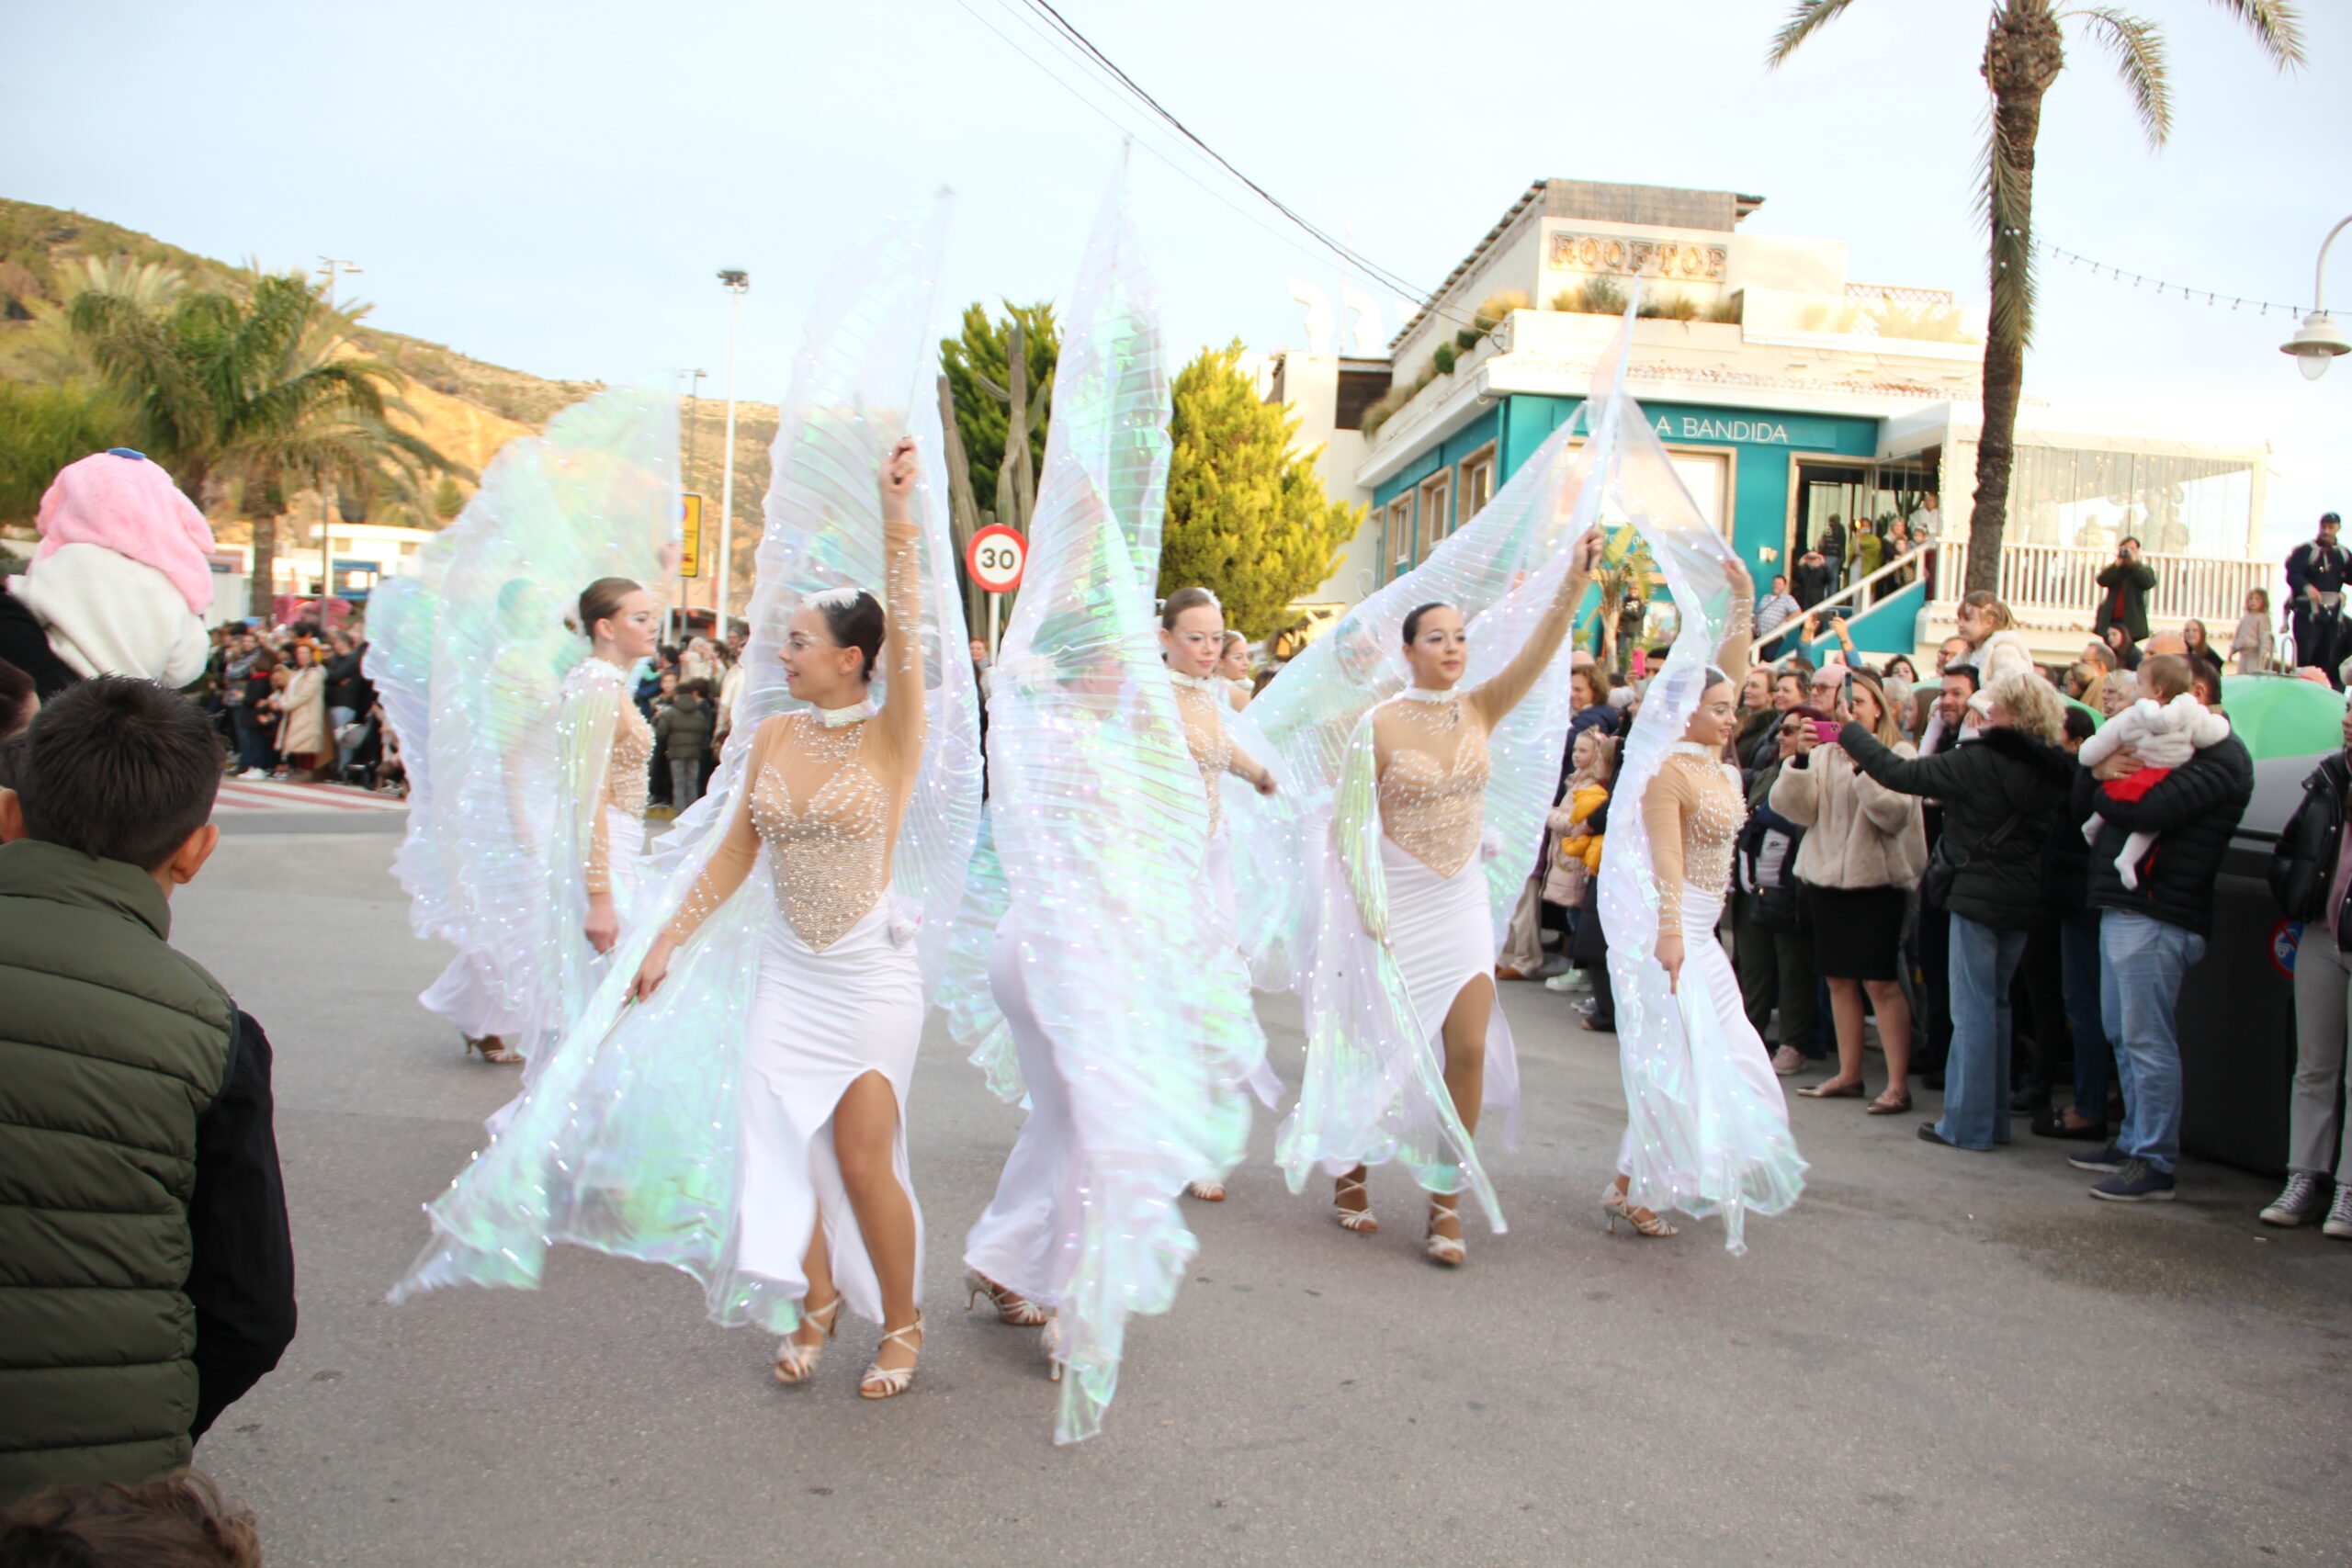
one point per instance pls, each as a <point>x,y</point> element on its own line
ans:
<point>551,186</point>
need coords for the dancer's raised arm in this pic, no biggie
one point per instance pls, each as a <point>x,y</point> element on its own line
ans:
<point>1739,627</point>
<point>904,716</point>
<point>1496,696</point>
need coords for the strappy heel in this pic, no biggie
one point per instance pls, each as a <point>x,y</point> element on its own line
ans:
<point>796,1363</point>
<point>493,1051</point>
<point>1445,1249</point>
<point>1357,1219</point>
<point>888,1382</point>
<point>1017,1309</point>
<point>1613,1208</point>
<point>1207,1191</point>
<point>1051,1339</point>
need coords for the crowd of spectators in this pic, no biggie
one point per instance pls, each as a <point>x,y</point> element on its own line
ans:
<point>1931,873</point>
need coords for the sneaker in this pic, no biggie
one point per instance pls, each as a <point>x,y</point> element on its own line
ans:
<point>1588,1006</point>
<point>2140,1182</point>
<point>255,773</point>
<point>2300,1201</point>
<point>2109,1159</point>
<point>1561,983</point>
<point>1788,1061</point>
<point>2338,1224</point>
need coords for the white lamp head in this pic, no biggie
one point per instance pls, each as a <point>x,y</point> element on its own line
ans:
<point>2316,342</point>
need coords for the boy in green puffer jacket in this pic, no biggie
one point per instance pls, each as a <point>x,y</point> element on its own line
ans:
<point>146,1275</point>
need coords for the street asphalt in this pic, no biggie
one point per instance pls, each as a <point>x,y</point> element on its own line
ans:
<point>1937,1357</point>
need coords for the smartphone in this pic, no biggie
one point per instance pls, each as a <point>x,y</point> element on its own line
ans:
<point>1824,731</point>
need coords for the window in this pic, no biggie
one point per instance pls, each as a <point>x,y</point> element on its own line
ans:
<point>1436,511</point>
<point>1478,482</point>
<point>1399,531</point>
<point>1358,389</point>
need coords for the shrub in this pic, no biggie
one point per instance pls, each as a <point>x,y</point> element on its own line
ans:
<point>1443,359</point>
<point>1731,309</point>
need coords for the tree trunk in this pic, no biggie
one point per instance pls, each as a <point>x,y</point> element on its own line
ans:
<point>2023,55</point>
<point>963,506</point>
<point>262,593</point>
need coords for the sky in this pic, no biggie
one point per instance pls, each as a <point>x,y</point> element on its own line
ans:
<point>552,186</point>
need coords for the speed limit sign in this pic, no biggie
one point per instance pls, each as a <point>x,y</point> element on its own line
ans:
<point>995,559</point>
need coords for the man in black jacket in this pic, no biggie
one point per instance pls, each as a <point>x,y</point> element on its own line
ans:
<point>2317,571</point>
<point>2150,935</point>
<point>2123,590</point>
<point>1999,790</point>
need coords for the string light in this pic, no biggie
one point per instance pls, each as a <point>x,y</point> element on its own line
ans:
<point>2212,298</point>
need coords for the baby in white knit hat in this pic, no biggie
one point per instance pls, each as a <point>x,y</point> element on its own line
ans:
<point>2165,729</point>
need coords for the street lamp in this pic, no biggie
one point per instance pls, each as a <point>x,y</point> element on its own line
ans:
<point>736,281</point>
<point>332,268</point>
<point>2319,339</point>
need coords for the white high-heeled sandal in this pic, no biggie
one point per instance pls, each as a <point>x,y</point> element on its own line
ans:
<point>1614,1207</point>
<point>1357,1219</point>
<point>1445,1249</point>
<point>1051,1339</point>
<point>888,1382</point>
<point>1017,1309</point>
<point>795,1363</point>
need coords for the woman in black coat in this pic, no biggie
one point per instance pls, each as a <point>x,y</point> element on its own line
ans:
<point>1999,790</point>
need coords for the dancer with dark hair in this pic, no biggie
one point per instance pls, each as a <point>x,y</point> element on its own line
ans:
<point>828,1208</point>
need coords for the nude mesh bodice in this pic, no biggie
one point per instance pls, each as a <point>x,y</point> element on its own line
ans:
<point>1200,708</point>
<point>1434,785</point>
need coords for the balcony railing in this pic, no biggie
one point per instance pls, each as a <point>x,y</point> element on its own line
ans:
<point>2058,581</point>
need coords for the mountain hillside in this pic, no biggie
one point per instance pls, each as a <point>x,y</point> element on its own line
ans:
<point>466,407</point>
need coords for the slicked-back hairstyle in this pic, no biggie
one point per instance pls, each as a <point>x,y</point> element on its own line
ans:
<point>119,768</point>
<point>1413,619</point>
<point>853,618</point>
<point>601,601</point>
<point>1185,598</point>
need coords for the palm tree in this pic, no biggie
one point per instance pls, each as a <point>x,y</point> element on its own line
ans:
<point>260,391</point>
<point>2024,53</point>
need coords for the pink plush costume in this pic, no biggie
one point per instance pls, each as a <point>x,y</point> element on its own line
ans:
<point>120,501</point>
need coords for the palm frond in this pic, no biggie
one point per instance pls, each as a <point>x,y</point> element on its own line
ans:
<point>1808,18</point>
<point>2139,50</point>
<point>2276,25</point>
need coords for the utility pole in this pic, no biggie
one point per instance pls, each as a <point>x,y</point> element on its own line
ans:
<point>330,267</point>
<point>694,397</point>
<point>737,281</point>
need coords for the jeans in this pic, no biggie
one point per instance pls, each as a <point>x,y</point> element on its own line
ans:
<point>1776,965</point>
<point>253,740</point>
<point>2317,1138</point>
<point>1977,1073</point>
<point>2143,960</point>
<point>2094,1057</point>
<point>685,782</point>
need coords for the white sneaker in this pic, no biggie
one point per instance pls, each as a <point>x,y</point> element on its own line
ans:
<point>2338,1223</point>
<point>2300,1203</point>
<point>253,773</point>
<point>1561,983</point>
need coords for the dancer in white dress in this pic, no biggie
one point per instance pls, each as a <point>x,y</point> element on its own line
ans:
<point>1707,1129</point>
<point>1192,640</point>
<point>1431,762</point>
<point>827,1206</point>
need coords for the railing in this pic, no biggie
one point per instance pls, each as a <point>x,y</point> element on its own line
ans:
<point>2044,580</point>
<point>1849,596</point>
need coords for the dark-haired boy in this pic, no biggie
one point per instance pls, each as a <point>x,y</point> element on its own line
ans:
<point>146,1274</point>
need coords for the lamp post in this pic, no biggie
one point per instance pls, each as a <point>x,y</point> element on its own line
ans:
<point>330,267</point>
<point>2319,339</point>
<point>737,281</point>
<point>694,396</point>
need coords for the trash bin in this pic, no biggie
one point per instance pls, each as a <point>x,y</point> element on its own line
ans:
<point>2236,1015</point>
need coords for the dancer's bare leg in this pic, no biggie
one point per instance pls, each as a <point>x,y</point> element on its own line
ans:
<point>1464,1035</point>
<point>866,1127</point>
<point>816,1267</point>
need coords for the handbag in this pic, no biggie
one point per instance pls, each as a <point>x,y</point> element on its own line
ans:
<point>1935,883</point>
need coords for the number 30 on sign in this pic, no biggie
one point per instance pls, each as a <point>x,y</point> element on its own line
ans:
<point>995,559</point>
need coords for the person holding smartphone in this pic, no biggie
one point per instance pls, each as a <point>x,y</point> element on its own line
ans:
<point>1862,851</point>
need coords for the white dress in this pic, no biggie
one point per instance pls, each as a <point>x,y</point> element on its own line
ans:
<point>839,991</point>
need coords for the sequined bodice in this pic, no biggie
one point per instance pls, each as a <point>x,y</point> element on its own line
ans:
<point>828,850</point>
<point>1709,831</point>
<point>1433,790</point>
<point>1212,747</point>
<point>625,779</point>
